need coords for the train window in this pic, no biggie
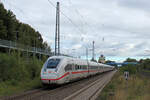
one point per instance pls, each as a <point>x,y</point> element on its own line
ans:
<point>77,67</point>
<point>94,67</point>
<point>83,67</point>
<point>89,67</point>
<point>52,63</point>
<point>68,67</point>
<point>86,67</point>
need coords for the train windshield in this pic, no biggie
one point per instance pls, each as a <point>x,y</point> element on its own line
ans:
<point>52,63</point>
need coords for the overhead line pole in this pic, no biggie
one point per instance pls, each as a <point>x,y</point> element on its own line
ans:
<point>69,19</point>
<point>57,31</point>
<point>93,50</point>
<point>56,34</point>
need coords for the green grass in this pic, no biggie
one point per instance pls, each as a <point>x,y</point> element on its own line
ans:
<point>136,88</point>
<point>17,75</point>
<point>10,88</point>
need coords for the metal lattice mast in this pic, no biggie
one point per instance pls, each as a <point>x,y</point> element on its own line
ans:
<point>93,51</point>
<point>57,31</point>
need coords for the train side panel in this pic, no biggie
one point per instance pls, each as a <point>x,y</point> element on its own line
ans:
<point>70,69</point>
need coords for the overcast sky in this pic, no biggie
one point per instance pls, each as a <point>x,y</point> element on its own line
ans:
<point>120,28</point>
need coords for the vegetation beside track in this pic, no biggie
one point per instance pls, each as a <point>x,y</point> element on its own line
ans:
<point>135,88</point>
<point>18,74</point>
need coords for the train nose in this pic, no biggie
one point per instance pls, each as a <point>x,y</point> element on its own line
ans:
<point>49,76</point>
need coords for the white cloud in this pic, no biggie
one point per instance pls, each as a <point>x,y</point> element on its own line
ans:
<point>123,23</point>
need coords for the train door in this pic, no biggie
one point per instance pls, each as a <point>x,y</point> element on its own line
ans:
<point>70,70</point>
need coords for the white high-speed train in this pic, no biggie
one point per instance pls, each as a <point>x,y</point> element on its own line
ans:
<point>61,69</point>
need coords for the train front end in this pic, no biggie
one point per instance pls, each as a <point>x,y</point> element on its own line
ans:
<point>49,72</point>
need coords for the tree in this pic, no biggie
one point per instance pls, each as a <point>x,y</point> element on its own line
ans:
<point>145,64</point>
<point>109,61</point>
<point>12,29</point>
<point>130,60</point>
<point>3,30</point>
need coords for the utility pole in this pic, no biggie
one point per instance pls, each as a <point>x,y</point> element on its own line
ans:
<point>93,51</point>
<point>57,31</point>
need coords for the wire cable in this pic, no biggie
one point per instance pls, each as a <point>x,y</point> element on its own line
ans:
<point>67,17</point>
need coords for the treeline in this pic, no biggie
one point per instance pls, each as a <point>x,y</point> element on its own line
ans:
<point>13,30</point>
<point>143,64</point>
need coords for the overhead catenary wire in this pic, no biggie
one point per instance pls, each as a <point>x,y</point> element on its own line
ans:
<point>21,11</point>
<point>69,19</point>
<point>82,38</point>
<point>83,21</point>
<point>82,17</point>
<point>27,17</point>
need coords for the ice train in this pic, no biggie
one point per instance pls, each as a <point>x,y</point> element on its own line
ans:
<point>61,69</point>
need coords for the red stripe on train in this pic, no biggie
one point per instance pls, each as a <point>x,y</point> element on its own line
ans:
<point>68,74</point>
<point>59,77</point>
<point>79,72</point>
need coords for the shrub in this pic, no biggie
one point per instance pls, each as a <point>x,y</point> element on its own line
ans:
<point>132,69</point>
<point>34,68</point>
<point>15,68</point>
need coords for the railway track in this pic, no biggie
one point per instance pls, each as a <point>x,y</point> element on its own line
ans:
<point>91,91</point>
<point>79,90</point>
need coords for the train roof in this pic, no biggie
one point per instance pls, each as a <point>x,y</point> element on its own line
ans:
<point>66,57</point>
<point>63,57</point>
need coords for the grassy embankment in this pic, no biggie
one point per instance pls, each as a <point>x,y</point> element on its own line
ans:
<point>17,74</point>
<point>136,88</point>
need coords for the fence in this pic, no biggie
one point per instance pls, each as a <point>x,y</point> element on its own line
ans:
<point>18,46</point>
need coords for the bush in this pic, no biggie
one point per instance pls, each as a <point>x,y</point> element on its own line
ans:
<point>132,69</point>
<point>145,64</point>
<point>14,68</point>
<point>9,68</point>
<point>34,68</point>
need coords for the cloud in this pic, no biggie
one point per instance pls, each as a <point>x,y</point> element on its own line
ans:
<point>124,24</point>
<point>135,4</point>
